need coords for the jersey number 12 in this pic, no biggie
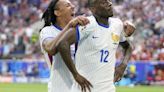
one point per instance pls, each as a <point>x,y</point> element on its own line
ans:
<point>104,55</point>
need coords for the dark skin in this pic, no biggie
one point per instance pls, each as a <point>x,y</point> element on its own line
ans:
<point>119,70</point>
<point>64,49</point>
<point>101,10</point>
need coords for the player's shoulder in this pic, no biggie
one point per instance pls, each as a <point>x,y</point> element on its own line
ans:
<point>47,28</point>
<point>116,21</point>
<point>92,23</point>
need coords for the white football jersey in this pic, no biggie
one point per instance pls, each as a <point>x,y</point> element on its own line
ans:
<point>95,57</point>
<point>60,77</point>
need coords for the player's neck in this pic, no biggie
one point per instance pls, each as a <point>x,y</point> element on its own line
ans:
<point>101,20</point>
<point>60,23</point>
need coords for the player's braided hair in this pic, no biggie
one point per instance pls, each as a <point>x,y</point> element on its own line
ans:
<point>49,17</point>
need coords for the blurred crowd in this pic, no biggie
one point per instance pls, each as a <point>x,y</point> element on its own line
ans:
<point>19,37</point>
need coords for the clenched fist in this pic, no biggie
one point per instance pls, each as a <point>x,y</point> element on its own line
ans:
<point>129,28</point>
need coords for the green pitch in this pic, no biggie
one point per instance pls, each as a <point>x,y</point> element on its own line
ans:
<point>141,89</point>
<point>5,87</point>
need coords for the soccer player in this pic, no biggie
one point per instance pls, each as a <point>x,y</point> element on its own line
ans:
<point>97,44</point>
<point>58,18</point>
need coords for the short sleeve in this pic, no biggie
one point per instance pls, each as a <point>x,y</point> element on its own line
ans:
<point>122,37</point>
<point>119,27</point>
<point>47,33</point>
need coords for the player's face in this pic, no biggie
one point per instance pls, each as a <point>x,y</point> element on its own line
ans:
<point>104,8</point>
<point>66,10</point>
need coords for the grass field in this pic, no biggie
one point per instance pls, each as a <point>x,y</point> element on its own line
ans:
<point>4,87</point>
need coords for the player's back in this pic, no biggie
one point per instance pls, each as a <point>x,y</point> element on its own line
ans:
<point>95,56</point>
<point>60,77</point>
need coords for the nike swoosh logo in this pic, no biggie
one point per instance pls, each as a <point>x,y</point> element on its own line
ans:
<point>94,37</point>
<point>115,43</point>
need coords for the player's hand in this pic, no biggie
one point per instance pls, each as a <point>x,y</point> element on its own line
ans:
<point>80,20</point>
<point>83,82</point>
<point>129,28</point>
<point>119,72</point>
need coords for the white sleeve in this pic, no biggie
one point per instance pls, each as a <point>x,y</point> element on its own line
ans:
<point>122,37</point>
<point>120,29</point>
<point>46,33</point>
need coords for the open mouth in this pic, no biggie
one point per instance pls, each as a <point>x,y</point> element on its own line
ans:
<point>73,14</point>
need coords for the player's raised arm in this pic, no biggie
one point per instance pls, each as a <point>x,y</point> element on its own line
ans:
<point>63,46</point>
<point>50,44</point>
<point>127,51</point>
<point>129,29</point>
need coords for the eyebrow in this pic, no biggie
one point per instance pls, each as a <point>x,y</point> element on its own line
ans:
<point>67,3</point>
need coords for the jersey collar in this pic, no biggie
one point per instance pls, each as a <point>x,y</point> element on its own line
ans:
<point>59,28</point>
<point>106,26</point>
<point>102,25</point>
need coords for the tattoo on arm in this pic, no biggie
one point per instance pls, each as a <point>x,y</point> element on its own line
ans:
<point>127,51</point>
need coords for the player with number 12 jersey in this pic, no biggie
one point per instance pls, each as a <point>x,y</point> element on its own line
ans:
<point>95,56</point>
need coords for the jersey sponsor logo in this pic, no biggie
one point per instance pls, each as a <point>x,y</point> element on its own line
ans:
<point>115,38</point>
<point>115,43</point>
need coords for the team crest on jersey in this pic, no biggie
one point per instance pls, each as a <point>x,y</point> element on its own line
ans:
<point>115,38</point>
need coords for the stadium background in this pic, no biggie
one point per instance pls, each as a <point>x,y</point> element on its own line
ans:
<point>22,66</point>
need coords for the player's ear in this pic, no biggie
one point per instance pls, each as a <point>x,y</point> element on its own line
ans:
<point>57,13</point>
<point>92,9</point>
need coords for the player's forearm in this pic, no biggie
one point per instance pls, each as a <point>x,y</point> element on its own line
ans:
<point>127,50</point>
<point>64,49</point>
<point>127,55</point>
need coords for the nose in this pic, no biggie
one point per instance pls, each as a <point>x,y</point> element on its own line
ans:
<point>110,3</point>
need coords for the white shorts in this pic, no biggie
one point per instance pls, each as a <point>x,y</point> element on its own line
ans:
<point>49,86</point>
<point>59,83</point>
<point>96,88</point>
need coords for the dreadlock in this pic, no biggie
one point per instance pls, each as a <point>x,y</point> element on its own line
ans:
<point>48,16</point>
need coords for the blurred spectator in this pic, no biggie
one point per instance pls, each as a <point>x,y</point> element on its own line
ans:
<point>150,76</point>
<point>44,71</point>
<point>159,72</point>
<point>33,71</point>
<point>159,75</point>
<point>20,47</point>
